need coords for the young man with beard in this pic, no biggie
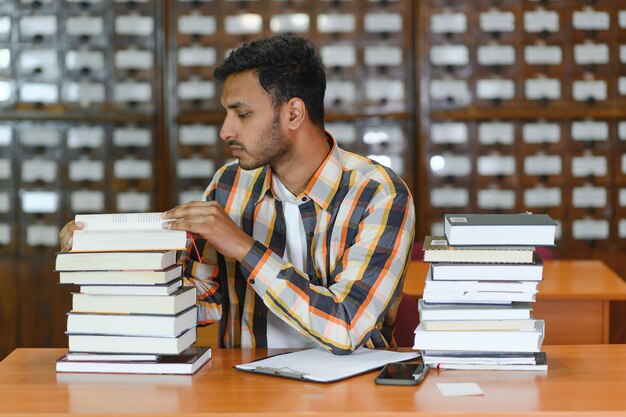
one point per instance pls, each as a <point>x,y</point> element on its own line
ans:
<point>301,243</point>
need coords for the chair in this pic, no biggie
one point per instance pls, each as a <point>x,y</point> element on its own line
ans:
<point>407,320</point>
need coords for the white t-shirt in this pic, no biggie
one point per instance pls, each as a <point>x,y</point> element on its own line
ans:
<point>279,333</point>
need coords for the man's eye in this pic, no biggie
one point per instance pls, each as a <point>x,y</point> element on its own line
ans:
<point>243,115</point>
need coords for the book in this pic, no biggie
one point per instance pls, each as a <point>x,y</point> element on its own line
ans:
<point>487,340</point>
<point>105,261</point>
<point>109,357</point>
<point>187,362</point>
<point>161,289</point>
<point>537,362</point>
<point>132,324</point>
<point>117,277</point>
<point>476,325</point>
<point>513,286</point>
<point>437,249</point>
<point>488,272</point>
<point>125,232</point>
<point>491,297</point>
<point>135,304</point>
<point>513,311</point>
<point>98,343</point>
<point>499,229</point>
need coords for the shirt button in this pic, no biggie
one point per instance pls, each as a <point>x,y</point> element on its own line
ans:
<point>311,234</point>
<point>252,281</point>
<point>305,198</point>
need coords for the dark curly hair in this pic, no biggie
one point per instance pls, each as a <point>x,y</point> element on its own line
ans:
<point>287,66</point>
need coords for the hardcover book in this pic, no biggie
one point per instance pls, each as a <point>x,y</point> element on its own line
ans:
<point>132,324</point>
<point>117,277</point>
<point>488,272</point>
<point>499,229</point>
<point>104,261</point>
<point>125,232</point>
<point>187,362</point>
<point>434,311</point>
<point>485,341</point>
<point>437,249</point>
<point>135,304</point>
<point>97,343</point>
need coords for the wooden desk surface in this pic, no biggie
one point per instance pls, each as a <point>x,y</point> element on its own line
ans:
<point>586,379</point>
<point>562,280</point>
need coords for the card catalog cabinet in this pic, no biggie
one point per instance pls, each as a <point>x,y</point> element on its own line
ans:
<point>522,109</point>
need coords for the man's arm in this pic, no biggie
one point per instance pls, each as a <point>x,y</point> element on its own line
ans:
<point>367,277</point>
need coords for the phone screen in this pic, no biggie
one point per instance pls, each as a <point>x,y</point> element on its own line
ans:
<point>402,374</point>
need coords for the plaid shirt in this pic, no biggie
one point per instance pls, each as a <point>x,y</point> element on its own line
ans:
<point>359,223</point>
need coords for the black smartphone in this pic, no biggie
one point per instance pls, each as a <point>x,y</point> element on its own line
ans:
<point>401,373</point>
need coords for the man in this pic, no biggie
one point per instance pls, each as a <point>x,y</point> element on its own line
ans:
<point>299,243</point>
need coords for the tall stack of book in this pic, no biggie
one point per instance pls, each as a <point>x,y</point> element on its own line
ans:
<point>132,314</point>
<point>484,273</point>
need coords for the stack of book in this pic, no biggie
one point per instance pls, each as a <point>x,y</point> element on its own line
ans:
<point>484,273</point>
<point>132,313</point>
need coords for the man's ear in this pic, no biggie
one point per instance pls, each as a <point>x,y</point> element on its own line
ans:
<point>296,113</point>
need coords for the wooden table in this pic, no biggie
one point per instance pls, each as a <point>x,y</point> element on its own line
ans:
<point>574,299</point>
<point>586,379</point>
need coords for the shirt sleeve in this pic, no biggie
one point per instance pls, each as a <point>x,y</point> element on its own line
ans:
<point>365,281</point>
<point>201,269</point>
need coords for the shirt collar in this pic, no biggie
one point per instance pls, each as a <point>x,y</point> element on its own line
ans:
<point>324,183</point>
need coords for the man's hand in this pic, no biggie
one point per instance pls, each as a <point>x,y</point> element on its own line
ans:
<point>209,221</point>
<point>65,235</point>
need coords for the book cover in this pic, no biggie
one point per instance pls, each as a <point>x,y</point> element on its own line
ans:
<point>478,325</point>
<point>538,362</point>
<point>105,261</point>
<point>486,341</point>
<point>117,277</point>
<point>437,249</point>
<point>488,272</point>
<point>137,304</point>
<point>499,229</point>
<point>434,311</point>
<point>187,362</point>
<point>125,232</point>
<point>113,289</point>
<point>95,343</point>
<point>132,324</point>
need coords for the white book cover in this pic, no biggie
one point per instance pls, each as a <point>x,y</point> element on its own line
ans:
<point>486,341</point>
<point>437,311</point>
<point>125,232</point>
<point>488,272</point>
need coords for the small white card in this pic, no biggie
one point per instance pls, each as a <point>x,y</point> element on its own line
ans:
<point>496,55</point>
<point>448,22</point>
<point>197,134</point>
<point>379,89</point>
<point>343,132</point>
<point>197,24</point>
<point>449,55</point>
<point>133,59</point>
<point>458,90</point>
<point>492,89</point>
<point>344,91</point>
<point>541,132</point>
<point>490,133</point>
<point>459,389</point>
<point>449,132</point>
<point>38,25</point>
<point>77,60</point>
<point>338,55</point>
<point>543,88</point>
<point>449,197</point>
<point>196,90</point>
<point>497,21</point>
<point>382,56</point>
<point>197,56</point>
<point>589,89</point>
<point>134,25</point>
<point>336,23</point>
<point>590,19</point>
<point>84,26</point>
<point>132,91</point>
<point>543,55</point>
<point>539,20</point>
<point>591,54</point>
<point>383,22</point>
<point>243,24</point>
<point>290,22</point>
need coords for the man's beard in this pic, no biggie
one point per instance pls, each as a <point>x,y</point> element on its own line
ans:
<point>271,146</point>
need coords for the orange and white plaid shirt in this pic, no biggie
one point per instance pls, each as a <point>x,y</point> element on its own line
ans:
<point>359,223</point>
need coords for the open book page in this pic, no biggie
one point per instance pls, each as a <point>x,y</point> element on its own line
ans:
<point>322,366</point>
<point>121,221</point>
